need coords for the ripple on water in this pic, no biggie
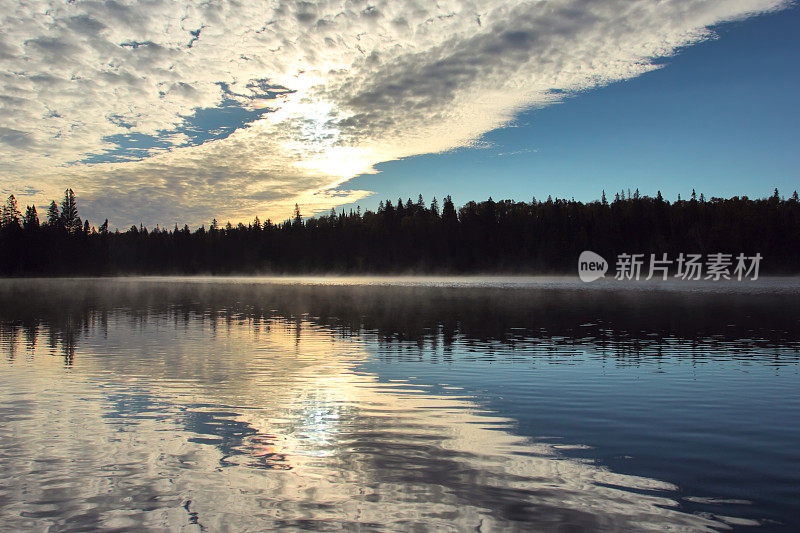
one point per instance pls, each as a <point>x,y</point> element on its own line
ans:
<point>397,404</point>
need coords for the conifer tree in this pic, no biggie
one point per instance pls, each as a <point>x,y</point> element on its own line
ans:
<point>69,213</point>
<point>298,218</point>
<point>53,217</point>
<point>31,220</point>
<point>11,215</point>
<point>435,207</point>
<point>449,210</point>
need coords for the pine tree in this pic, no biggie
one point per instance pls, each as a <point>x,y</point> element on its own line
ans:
<point>53,218</point>
<point>298,218</point>
<point>31,221</point>
<point>69,213</point>
<point>449,210</point>
<point>11,215</point>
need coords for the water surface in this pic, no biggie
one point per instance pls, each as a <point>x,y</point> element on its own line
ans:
<point>398,403</point>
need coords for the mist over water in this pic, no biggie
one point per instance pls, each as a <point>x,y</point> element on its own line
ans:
<point>397,403</point>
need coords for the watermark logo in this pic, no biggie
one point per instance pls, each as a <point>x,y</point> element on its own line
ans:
<point>715,267</point>
<point>591,266</point>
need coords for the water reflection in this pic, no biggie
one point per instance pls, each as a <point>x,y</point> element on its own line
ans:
<point>241,407</point>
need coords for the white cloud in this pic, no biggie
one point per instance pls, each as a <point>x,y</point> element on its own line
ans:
<point>370,82</point>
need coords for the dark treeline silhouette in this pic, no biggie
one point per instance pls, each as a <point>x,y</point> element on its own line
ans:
<point>409,320</point>
<point>407,236</point>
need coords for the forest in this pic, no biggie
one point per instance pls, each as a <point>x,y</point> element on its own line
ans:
<point>409,237</point>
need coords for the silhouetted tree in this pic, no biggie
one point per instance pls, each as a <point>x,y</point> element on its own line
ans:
<point>448,210</point>
<point>31,220</point>
<point>53,216</point>
<point>69,213</point>
<point>11,215</point>
<point>505,236</point>
<point>298,218</point>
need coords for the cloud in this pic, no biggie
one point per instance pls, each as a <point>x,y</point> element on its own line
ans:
<point>343,85</point>
<point>14,138</point>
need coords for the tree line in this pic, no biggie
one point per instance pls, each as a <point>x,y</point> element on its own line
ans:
<point>410,322</point>
<point>409,237</point>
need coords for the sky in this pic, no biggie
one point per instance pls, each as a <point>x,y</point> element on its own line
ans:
<point>161,114</point>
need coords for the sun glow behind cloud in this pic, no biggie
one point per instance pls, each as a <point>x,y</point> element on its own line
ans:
<point>342,86</point>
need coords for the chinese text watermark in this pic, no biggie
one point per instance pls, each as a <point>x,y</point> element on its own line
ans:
<point>715,267</point>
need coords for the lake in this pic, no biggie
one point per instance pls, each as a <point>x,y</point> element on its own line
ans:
<point>242,404</point>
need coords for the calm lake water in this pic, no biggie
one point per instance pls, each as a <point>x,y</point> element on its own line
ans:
<point>396,404</point>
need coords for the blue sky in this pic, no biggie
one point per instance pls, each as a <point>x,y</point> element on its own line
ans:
<point>159,113</point>
<point>722,116</point>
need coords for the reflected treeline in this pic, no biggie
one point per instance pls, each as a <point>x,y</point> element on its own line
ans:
<point>420,321</point>
<point>489,236</point>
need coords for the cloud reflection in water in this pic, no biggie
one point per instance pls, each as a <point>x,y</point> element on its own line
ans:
<point>178,413</point>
